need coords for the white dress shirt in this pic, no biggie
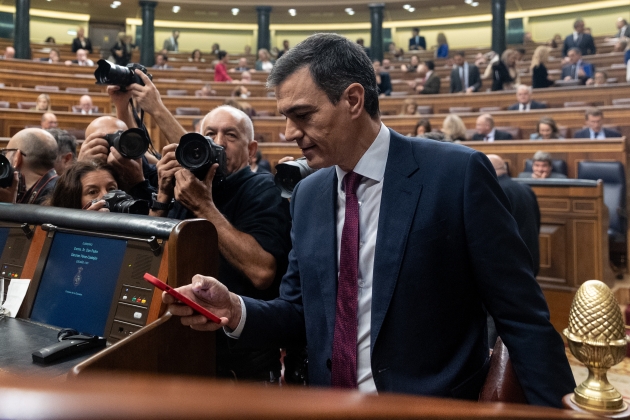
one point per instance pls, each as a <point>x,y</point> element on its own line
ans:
<point>524,107</point>
<point>600,136</point>
<point>372,167</point>
<point>490,136</point>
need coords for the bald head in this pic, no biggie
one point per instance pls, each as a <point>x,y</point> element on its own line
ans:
<point>498,164</point>
<point>239,116</point>
<point>9,53</point>
<point>485,124</point>
<point>38,150</point>
<point>49,120</point>
<point>105,125</point>
<point>86,103</point>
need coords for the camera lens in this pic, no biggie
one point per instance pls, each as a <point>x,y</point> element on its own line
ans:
<point>193,152</point>
<point>288,174</point>
<point>6,172</point>
<point>132,143</point>
<point>111,74</point>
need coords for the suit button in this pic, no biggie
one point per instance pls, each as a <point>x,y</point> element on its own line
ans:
<point>329,364</point>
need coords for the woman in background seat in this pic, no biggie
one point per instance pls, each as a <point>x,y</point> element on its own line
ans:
<point>546,129</point>
<point>540,77</point>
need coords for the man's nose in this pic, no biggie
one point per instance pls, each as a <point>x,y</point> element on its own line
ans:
<point>292,132</point>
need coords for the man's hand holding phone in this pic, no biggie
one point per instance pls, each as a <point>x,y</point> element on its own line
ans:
<point>210,294</point>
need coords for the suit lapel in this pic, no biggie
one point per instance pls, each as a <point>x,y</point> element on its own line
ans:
<point>325,215</point>
<point>398,207</point>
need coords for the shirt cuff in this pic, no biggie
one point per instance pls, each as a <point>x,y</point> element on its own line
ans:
<point>236,334</point>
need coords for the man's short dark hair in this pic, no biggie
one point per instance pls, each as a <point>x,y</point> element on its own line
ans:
<point>460,53</point>
<point>221,54</point>
<point>575,50</point>
<point>415,30</point>
<point>430,64</point>
<point>66,142</point>
<point>577,22</point>
<point>164,56</point>
<point>594,112</point>
<point>334,63</point>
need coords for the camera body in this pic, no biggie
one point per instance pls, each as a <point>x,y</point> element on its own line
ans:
<point>112,74</point>
<point>6,172</point>
<point>131,144</point>
<point>118,201</point>
<point>198,153</point>
<point>288,174</point>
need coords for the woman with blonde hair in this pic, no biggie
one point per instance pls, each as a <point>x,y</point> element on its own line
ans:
<point>540,77</point>
<point>409,107</point>
<point>453,128</point>
<point>504,73</point>
<point>442,50</point>
<point>42,103</point>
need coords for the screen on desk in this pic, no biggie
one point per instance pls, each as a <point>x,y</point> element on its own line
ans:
<point>4,235</point>
<point>78,282</point>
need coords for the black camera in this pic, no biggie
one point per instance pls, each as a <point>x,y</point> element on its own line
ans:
<point>112,74</point>
<point>131,144</point>
<point>198,153</point>
<point>6,172</point>
<point>118,201</point>
<point>288,174</point>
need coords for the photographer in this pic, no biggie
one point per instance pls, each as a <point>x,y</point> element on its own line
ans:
<point>83,186</point>
<point>251,218</point>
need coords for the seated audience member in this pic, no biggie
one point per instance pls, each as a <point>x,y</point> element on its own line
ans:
<point>431,84</point>
<point>579,39</point>
<point>81,59</point>
<point>542,167</point>
<point>417,42</point>
<point>538,67</point>
<point>264,62</point>
<point>285,48</point>
<point>620,45</point>
<point>600,79</point>
<point>623,29</point>
<point>220,70</point>
<point>556,41</point>
<point>453,128</point>
<point>50,40</point>
<point>66,149</point>
<point>524,100</point>
<point>391,48</point>
<point>9,53</point>
<point>254,164</point>
<point>487,132</point>
<point>577,69</point>
<point>242,65</point>
<point>546,129</point>
<point>131,174</point>
<point>49,120</point>
<point>383,80</point>
<point>422,127</point>
<point>524,208</point>
<point>86,105</point>
<point>32,153</point>
<point>83,185</point>
<point>595,130</point>
<point>412,67</point>
<point>246,77</point>
<point>42,103</point>
<point>504,73</point>
<point>241,92</point>
<point>206,90</point>
<point>196,57</point>
<point>161,62</point>
<point>53,57</point>
<point>409,107</point>
<point>387,65</point>
<point>81,42</point>
<point>464,76</point>
<point>442,49</point>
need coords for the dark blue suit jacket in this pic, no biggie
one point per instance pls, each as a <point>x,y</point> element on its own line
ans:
<point>446,246</point>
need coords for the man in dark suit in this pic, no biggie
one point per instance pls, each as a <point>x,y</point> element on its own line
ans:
<point>623,30</point>
<point>577,69</point>
<point>81,42</point>
<point>399,245</point>
<point>170,43</point>
<point>524,100</point>
<point>594,121</point>
<point>487,132</point>
<point>542,167</point>
<point>464,76</point>
<point>432,81</point>
<point>417,42</point>
<point>579,39</point>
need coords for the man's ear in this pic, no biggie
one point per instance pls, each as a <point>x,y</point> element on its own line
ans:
<point>252,147</point>
<point>355,97</point>
<point>18,159</point>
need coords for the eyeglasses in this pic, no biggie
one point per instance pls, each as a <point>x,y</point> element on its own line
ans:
<point>3,152</point>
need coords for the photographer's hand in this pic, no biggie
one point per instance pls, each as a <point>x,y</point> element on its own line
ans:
<point>95,147</point>
<point>120,100</point>
<point>129,170</point>
<point>148,98</point>
<point>194,194</point>
<point>9,194</point>
<point>167,167</point>
<point>98,206</point>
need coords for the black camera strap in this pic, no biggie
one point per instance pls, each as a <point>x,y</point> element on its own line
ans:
<point>140,123</point>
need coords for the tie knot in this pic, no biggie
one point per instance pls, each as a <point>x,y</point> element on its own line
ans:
<point>351,182</point>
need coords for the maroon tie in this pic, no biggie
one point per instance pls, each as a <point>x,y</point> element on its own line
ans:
<point>344,356</point>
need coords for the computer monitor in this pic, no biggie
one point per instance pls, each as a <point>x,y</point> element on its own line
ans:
<point>93,283</point>
<point>14,247</point>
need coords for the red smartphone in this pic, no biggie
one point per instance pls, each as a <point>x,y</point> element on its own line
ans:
<point>183,299</point>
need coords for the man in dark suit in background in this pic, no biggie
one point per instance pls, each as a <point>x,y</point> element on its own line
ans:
<point>579,39</point>
<point>390,296</point>
<point>577,69</point>
<point>594,120</point>
<point>623,30</point>
<point>417,42</point>
<point>486,130</point>
<point>525,102</point>
<point>432,81</point>
<point>464,76</point>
